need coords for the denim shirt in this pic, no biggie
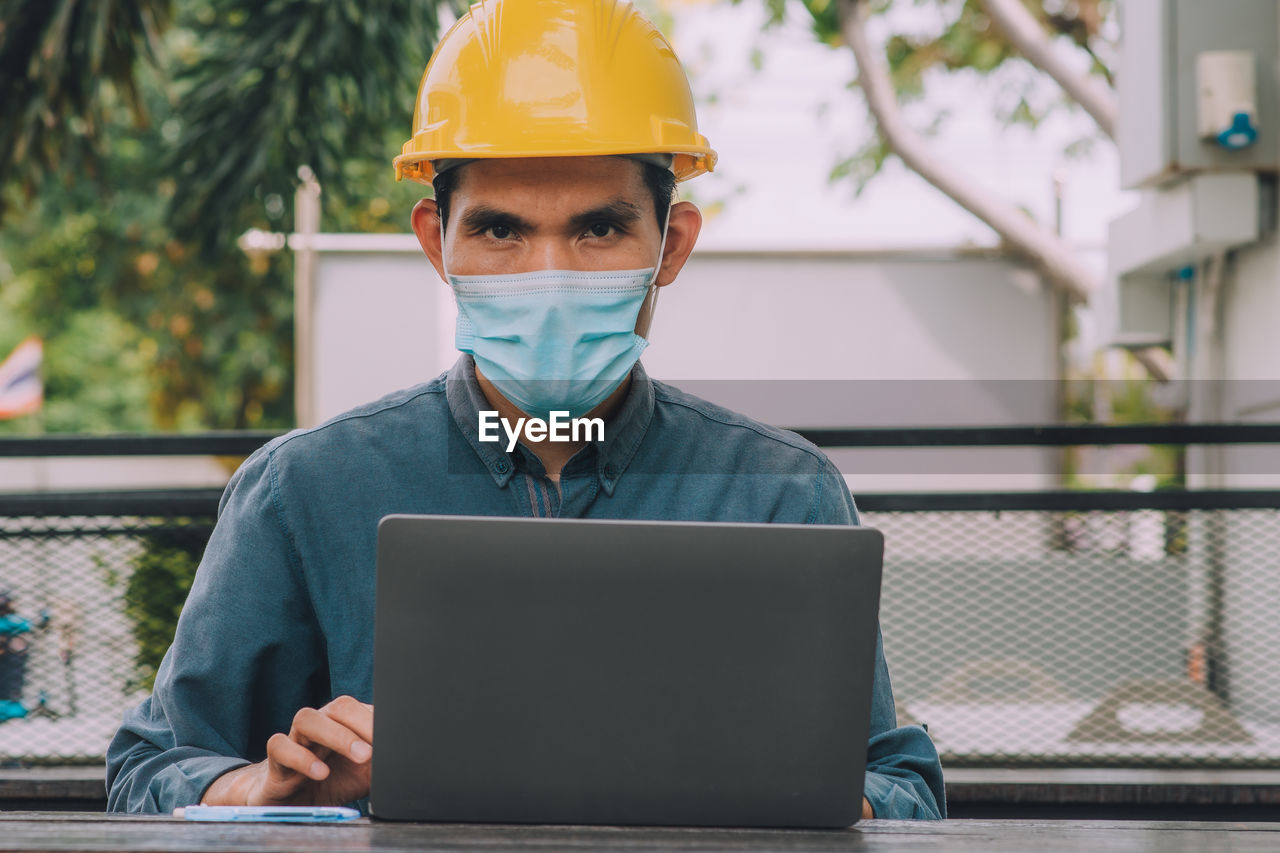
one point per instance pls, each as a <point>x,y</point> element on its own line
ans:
<point>280,615</point>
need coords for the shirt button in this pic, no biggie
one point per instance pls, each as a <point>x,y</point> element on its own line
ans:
<point>609,473</point>
<point>501,466</point>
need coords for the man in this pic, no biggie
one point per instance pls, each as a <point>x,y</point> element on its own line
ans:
<point>554,132</point>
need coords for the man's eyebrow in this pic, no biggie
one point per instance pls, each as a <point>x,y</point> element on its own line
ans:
<point>484,216</point>
<point>617,210</point>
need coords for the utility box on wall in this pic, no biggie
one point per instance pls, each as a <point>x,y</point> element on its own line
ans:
<point>1185,73</point>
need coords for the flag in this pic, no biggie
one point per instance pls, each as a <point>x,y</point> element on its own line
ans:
<point>21,391</point>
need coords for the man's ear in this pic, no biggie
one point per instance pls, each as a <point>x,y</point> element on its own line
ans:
<point>425,219</point>
<point>683,224</point>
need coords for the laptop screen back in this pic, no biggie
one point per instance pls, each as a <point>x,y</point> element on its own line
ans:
<point>662,673</point>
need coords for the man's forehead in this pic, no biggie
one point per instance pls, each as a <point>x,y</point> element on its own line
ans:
<point>611,174</point>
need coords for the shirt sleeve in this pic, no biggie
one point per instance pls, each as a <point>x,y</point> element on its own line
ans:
<point>246,656</point>
<point>904,774</point>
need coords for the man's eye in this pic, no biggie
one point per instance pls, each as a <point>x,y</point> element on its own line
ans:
<point>601,229</point>
<point>499,232</point>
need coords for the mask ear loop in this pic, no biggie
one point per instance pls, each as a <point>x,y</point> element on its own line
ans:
<point>644,319</point>
<point>443,265</point>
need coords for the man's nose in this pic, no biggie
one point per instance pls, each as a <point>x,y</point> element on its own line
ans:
<point>554,254</point>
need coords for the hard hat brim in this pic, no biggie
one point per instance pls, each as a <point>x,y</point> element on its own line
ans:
<point>686,163</point>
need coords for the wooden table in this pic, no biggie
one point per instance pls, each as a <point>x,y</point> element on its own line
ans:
<point>1045,793</point>
<point>79,831</point>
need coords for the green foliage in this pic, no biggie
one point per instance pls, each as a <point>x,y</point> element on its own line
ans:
<point>140,332</point>
<point>95,377</point>
<point>125,261</point>
<point>863,165</point>
<point>366,197</point>
<point>61,61</point>
<point>1121,401</point>
<point>265,86</point>
<point>154,596</point>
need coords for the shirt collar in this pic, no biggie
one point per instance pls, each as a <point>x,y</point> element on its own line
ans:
<point>623,432</point>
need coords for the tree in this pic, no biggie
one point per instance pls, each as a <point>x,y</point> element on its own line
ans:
<point>62,65</point>
<point>265,87</point>
<point>208,341</point>
<point>140,138</point>
<point>981,36</point>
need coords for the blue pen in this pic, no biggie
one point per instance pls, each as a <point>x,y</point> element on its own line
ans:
<point>275,814</point>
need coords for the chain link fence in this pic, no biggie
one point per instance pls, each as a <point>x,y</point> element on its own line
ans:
<point>1026,629</point>
<point>1124,637</point>
<point>90,587</point>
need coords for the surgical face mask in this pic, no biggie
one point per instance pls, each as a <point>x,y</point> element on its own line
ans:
<point>553,340</point>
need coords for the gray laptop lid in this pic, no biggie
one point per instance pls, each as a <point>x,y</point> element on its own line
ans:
<point>622,672</point>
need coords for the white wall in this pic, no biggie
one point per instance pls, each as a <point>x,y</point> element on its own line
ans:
<point>383,319</point>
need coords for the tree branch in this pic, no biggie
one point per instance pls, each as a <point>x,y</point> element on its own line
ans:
<point>1158,363</point>
<point>1046,250</point>
<point>1024,33</point>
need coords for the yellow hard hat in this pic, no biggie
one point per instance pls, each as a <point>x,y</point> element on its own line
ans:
<point>553,78</point>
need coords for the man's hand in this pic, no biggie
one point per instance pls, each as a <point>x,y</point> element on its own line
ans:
<point>867,812</point>
<point>323,761</point>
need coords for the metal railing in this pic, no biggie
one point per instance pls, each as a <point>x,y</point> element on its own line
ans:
<point>1025,629</point>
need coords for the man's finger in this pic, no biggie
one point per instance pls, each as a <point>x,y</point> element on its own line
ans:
<point>354,714</point>
<point>286,756</point>
<point>312,727</point>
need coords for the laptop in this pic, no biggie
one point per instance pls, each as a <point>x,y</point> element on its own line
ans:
<point>622,672</point>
